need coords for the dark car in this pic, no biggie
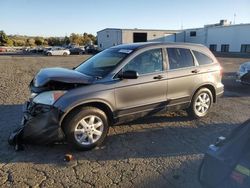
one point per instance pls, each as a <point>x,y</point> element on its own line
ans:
<point>91,49</point>
<point>119,84</point>
<point>38,49</point>
<point>243,74</point>
<point>77,50</point>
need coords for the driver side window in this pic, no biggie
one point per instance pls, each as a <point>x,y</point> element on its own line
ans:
<point>147,62</point>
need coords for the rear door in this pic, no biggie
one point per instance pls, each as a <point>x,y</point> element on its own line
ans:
<point>148,91</point>
<point>182,76</point>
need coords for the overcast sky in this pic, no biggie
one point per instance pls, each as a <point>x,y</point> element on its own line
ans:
<point>62,17</point>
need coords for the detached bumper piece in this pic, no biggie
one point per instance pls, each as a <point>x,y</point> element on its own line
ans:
<point>40,125</point>
<point>227,162</point>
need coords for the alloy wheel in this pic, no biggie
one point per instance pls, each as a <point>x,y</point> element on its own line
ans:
<point>202,103</point>
<point>89,130</point>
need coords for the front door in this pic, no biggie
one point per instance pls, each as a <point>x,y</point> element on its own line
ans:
<point>146,93</point>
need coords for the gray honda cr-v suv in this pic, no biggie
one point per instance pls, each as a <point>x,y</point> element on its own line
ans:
<point>121,83</point>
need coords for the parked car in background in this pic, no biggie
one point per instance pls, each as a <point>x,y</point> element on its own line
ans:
<point>92,49</point>
<point>77,50</point>
<point>3,49</point>
<point>25,49</point>
<point>38,49</point>
<point>47,49</point>
<point>243,74</point>
<point>57,51</point>
<point>119,84</point>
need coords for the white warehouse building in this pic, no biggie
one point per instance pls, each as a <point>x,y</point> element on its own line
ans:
<point>221,37</point>
<point>111,36</point>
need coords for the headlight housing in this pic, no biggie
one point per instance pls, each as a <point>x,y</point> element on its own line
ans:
<point>48,97</point>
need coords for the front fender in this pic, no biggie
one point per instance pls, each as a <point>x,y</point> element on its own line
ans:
<point>73,99</point>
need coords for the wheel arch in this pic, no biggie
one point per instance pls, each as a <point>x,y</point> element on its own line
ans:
<point>97,104</point>
<point>208,86</point>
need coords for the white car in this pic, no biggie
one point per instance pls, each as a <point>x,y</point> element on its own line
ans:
<point>243,74</point>
<point>57,51</point>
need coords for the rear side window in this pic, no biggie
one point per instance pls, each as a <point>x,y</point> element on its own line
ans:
<point>179,58</point>
<point>202,58</point>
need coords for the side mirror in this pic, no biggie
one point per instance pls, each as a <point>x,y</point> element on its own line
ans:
<point>129,74</point>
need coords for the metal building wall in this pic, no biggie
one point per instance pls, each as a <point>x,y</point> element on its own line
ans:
<point>234,35</point>
<point>161,36</point>
<point>109,37</point>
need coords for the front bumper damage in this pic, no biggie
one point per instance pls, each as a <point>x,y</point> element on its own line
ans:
<point>40,125</point>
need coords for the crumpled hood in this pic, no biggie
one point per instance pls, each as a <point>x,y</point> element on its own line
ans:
<point>44,76</point>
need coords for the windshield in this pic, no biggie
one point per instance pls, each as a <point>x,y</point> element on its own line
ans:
<point>103,63</point>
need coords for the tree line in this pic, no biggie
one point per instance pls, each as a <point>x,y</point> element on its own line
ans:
<point>21,40</point>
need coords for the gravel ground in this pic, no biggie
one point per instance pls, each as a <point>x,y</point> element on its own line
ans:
<point>159,151</point>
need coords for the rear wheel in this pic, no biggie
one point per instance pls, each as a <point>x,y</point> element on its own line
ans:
<point>201,103</point>
<point>65,54</point>
<point>49,54</point>
<point>86,128</point>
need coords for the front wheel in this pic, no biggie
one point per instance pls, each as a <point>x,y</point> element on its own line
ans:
<point>86,128</point>
<point>201,103</point>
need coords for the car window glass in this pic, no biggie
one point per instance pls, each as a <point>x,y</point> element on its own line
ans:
<point>102,63</point>
<point>146,62</point>
<point>179,58</point>
<point>202,58</point>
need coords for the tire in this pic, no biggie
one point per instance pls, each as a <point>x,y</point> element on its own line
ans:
<point>81,53</point>
<point>201,103</point>
<point>49,54</point>
<point>65,54</point>
<point>80,129</point>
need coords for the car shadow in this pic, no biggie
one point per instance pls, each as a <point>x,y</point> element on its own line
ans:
<point>166,135</point>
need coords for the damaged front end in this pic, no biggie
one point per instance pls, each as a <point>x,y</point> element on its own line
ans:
<point>243,75</point>
<point>243,78</point>
<point>40,125</point>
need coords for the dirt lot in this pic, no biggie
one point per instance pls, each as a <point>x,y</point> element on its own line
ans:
<point>159,151</point>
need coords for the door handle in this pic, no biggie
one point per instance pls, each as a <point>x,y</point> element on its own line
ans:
<point>158,77</point>
<point>195,71</point>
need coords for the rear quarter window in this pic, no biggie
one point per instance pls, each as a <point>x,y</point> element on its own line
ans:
<point>202,58</point>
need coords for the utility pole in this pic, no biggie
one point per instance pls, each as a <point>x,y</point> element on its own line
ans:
<point>234,17</point>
